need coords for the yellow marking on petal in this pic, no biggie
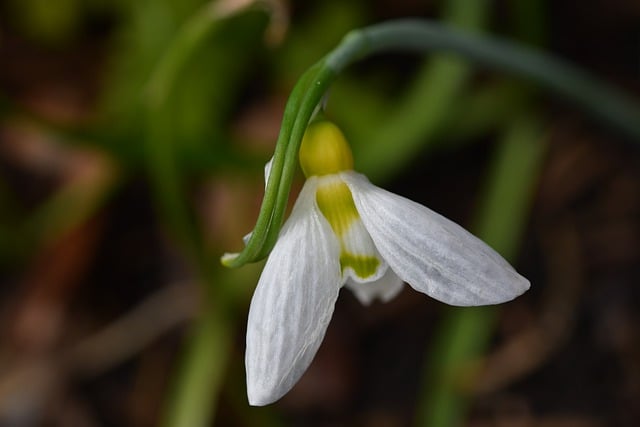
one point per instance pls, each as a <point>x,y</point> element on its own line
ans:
<point>364,266</point>
<point>336,204</point>
<point>324,150</point>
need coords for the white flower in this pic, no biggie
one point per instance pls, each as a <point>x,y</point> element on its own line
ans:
<point>343,230</point>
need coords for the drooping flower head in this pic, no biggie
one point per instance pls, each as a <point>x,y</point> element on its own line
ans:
<point>343,230</point>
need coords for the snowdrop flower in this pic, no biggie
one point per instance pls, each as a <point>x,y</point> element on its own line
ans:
<point>343,230</point>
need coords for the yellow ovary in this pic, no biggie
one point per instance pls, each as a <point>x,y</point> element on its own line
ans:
<point>324,150</point>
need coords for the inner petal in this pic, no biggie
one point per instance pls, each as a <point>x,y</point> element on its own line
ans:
<point>359,258</point>
<point>384,289</point>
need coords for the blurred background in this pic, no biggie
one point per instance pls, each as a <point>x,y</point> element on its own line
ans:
<point>132,140</point>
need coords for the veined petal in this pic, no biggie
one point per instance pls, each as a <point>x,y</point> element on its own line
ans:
<point>293,302</point>
<point>385,288</point>
<point>431,253</point>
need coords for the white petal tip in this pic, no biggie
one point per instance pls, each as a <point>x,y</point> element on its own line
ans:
<point>261,394</point>
<point>384,289</point>
<point>505,292</point>
<point>260,399</point>
<point>512,289</point>
<point>521,287</point>
<point>228,258</point>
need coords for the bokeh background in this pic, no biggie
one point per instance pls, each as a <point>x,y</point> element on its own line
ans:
<point>132,140</point>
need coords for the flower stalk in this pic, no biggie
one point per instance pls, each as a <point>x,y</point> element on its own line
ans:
<point>603,102</point>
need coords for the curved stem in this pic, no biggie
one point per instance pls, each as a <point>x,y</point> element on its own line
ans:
<point>256,244</point>
<point>318,86</point>
<point>414,119</point>
<point>601,100</point>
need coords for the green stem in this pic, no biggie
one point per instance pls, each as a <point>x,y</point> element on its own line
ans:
<point>462,337</point>
<point>602,101</point>
<point>318,86</point>
<point>258,237</point>
<point>300,106</point>
<point>413,121</point>
<point>201,374</point>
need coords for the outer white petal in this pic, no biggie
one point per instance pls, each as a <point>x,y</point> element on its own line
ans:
<point>385,288</point>
<point>431,253</point>
<point>293,302</point>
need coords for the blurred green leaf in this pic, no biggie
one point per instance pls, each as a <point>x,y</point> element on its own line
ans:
<point>47,25</point>
<point>315,34</point>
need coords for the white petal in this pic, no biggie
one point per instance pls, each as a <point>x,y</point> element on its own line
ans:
<point>385,288</point>
<point>293,302</point>
<point>267,171</point>
<point>432,254</point>
<point>357,242</point>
